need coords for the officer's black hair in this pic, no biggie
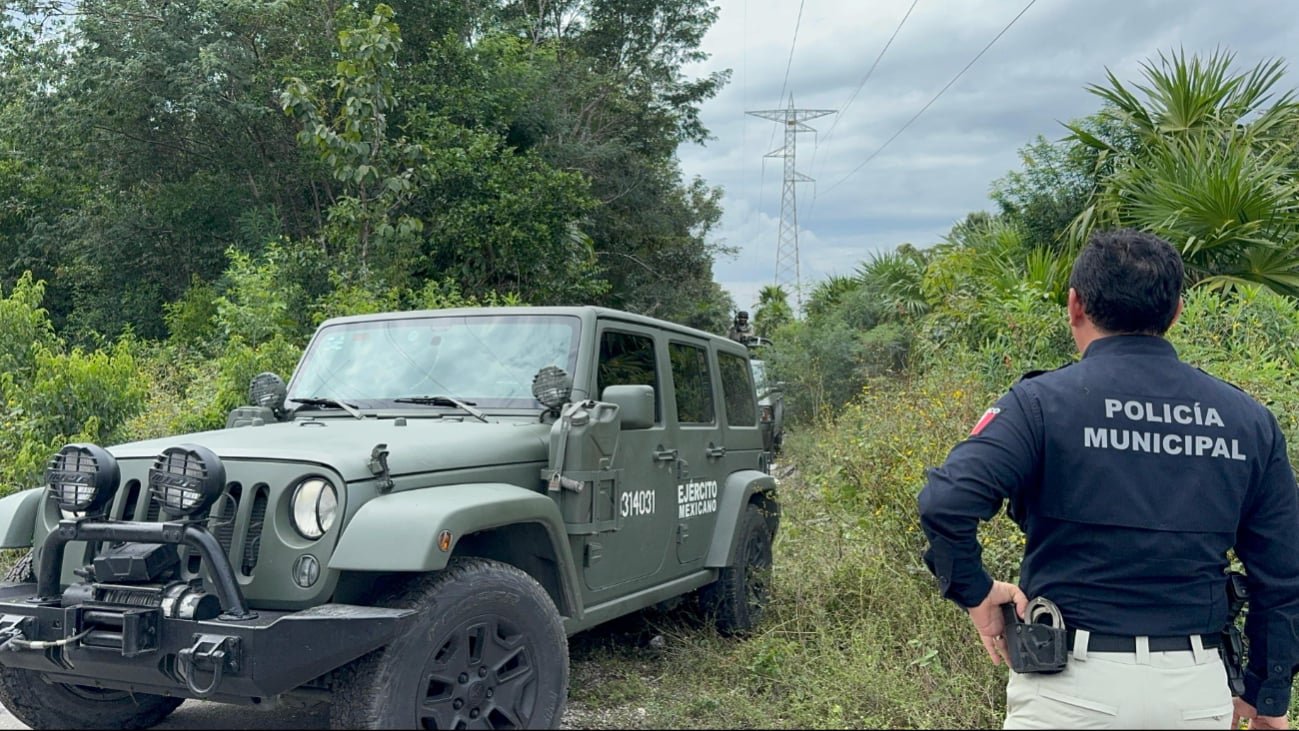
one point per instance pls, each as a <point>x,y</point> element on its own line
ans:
<point>1128,281</point>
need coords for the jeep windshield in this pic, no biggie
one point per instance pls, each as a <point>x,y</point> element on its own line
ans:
<point>487,360</point>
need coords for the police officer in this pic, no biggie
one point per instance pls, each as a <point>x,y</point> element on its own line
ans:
<point>1131,474</point>
<point>741,328</point>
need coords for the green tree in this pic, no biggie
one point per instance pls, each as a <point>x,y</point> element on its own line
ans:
<point>829,294</point>
<point>516,147</point>
<point>1212,170</point>
<point>349,130</point>
<point>773,310</point>
<point>1057,180</point>
<point>617,110</point>
<point>159,144</point>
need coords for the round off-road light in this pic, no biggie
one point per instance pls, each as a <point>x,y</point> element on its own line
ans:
<point>314,507</point>
<point>82,478</point>
<point>267,389</point>
<point>552,386</point>
<point>187,479</point>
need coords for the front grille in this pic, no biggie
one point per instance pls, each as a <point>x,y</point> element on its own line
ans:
<point>256,519</point>
<point>224,512</point>
<point>234,520</point>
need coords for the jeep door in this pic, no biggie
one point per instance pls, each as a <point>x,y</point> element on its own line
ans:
<point>741,426</point>
<point>702,472</point>
<point>633,554</point>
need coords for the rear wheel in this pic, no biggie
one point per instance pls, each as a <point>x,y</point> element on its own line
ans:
<point>488,650</point>
<point>41,703</point>
<point>739,596</point>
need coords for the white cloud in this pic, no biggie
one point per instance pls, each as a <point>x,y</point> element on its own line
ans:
<point>940,168</point>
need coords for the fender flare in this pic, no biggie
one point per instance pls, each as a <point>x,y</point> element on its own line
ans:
<point>399,531</point>
<point>736,494</point>
<point>18,513</point>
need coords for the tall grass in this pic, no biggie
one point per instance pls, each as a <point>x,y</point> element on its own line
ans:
<point>856,635</point>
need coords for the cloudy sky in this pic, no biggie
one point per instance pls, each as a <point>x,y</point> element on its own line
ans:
<point>940,167</point>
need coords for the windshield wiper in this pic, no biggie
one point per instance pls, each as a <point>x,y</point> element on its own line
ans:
<point>444,401</point>
<point>332,403</point>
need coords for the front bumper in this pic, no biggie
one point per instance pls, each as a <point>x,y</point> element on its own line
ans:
<point>79,636</point>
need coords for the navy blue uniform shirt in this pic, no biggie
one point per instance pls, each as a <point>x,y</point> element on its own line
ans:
<point>1132,474</point>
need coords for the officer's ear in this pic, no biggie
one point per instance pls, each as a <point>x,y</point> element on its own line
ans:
<point>1178,313</point>
<point>1077,315</point>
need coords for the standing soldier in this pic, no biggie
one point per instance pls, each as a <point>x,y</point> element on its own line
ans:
<point>1131,474</point>
<point>741,329</point>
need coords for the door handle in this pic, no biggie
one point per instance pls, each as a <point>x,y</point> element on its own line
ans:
<point>665,455</point>
<point>715,452</point>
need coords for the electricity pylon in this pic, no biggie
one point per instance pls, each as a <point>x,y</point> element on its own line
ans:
<point>787,261</point>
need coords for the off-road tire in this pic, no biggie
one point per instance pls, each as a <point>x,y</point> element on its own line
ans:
<point>488,650</point>
<point>737,599</point>
<point>43,704</point>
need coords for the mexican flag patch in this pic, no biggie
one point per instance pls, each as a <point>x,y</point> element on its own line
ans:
<point>984,420</point>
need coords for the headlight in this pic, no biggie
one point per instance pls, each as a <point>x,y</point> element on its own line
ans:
<point>315,504</point>
<point>82,478</point>
<point>187,479</point>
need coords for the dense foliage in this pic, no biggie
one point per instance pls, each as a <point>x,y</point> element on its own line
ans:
<point>521,148</point>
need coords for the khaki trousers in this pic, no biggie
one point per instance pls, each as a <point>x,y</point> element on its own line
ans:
<point>1124,690</point>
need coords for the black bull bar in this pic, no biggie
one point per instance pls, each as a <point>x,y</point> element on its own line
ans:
<point>241,656</point>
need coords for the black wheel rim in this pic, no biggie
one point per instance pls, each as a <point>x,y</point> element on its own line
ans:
<point>97,695</point>
<point>757,573</point>
<point>482,674</point>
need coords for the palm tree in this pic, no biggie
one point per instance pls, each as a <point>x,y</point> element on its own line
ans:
<point>773,310</point>
<point>1213,170</point>
<point>829,294</point>
<point>895,278</point>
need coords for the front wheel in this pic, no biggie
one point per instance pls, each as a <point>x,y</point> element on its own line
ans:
<point>42,704</point>
<point>739,596</point>
<point>488,650</point>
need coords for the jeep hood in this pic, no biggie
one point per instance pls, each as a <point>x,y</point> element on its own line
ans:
<point>414,444</point>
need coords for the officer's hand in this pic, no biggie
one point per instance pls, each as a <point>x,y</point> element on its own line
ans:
<point>1243,710</point>
<point>989,622</point>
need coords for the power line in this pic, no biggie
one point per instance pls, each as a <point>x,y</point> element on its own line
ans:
<point>785,84</point>
<point>930,103</point>
<point>856,91</point>
<point>871,70</point>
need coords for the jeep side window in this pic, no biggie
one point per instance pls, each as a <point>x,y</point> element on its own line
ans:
<point>628,360</point>
<point>737,390</point>
<point>693,384</point>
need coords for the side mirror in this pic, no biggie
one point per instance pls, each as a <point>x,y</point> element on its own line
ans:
<point>635,405</point>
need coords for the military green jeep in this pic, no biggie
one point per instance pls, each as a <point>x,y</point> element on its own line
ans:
<point>410,528</point>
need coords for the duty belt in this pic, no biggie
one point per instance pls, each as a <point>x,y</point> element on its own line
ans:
<point>1097,642</point>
